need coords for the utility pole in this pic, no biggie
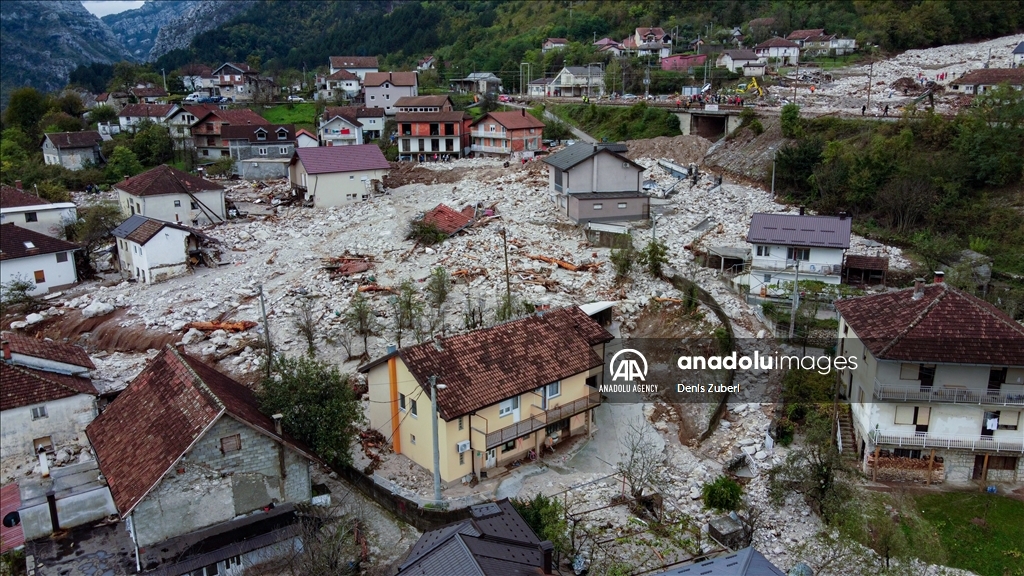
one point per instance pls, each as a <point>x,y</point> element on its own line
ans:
<point>266,329</point>
<point>871,71</point>
<point>796,296</point>
<point>437,449</point>
<point>165,75</point>
<point>508,283</point>
<point>774,154</point>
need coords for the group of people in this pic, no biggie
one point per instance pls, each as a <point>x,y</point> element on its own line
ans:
<point>435,158</point>
<point>712,99</point>
<point>885,111</point>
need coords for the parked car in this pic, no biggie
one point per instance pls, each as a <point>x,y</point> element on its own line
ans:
<point>504,98</point>
<point>629,96</point>
<point>194,97</point>
<point>296,98</point>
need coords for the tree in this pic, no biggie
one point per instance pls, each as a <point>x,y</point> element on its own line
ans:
<point>152,143</point>
<point>70,103</point>
<point>126,75</point>
<point>438,287</point>
<point>640,456</point>
<point>25,109</point>
<point>815,470</point>
<point>318,405</point>
<point>723,493</point>
<point>222,167</point>
<point>511,307</point>
<point>15,294</point>
<point>406,312</point>
<point>654,257</point>
<point>624,257</point>
<point>122,163</point>
<point>102,114</point>
<point>361,319</point>
<point>329,545</point>
<point>546,517</point>
<point>92,229</point>
<point>790,121</point>
<point>57,121</point>
<point>305,323</point>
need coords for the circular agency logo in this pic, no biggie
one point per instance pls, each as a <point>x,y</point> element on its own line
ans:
<point>628,369</point>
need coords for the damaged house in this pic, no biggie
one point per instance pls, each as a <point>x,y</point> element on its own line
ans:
<point>151,250</point>
<point>168,194</point>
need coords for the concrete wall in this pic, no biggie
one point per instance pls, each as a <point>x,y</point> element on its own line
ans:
<point>601,173</point>
<point>216,487</point>
<point>162,207</point>
<point>163,257</point>
<point>585,209</point>
<point>65,424</point>
<point>56,275</point>
<point>385,96</point>
<point>70,158</point>
<point>49,217</point>
<point>74,510</point>
<point>337,189</point>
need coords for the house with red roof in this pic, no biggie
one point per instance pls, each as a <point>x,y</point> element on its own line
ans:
<point>72,150</point>
<point>358,65</point>
<point>168,194</point>
<point>206,130</point>
<point>341,126</point>
<point>34,213</point>
<point>647,41</point>
<point>45,261</point>
<point>506,133</point>
<point>190,459</point>
<point>383,89</point>
<point>305,139</point>
<point>148,94</point>
<point>339,85</point>
<point>936,378</point>
<point>240,83</point>
<point>133,114</point>
<point>338,175</point>
<point>550,44</point>
<point>778,51</point>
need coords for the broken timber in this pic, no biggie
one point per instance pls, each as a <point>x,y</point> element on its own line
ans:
<point>239,326</point>
<point>563,264</point>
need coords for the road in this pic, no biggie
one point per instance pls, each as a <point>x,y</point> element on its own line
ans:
<point>579,134</point>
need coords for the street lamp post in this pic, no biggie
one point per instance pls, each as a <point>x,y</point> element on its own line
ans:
<point>508,282</point>
<point>796,295</point>
<point>434,386</point>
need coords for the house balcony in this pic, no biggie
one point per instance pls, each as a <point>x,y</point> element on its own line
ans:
<point>491,149</point>
<point>485,134</point>
<point>900,439</point>
<point>538,421</point>
<point>889,393</point>
<point>809,268</point>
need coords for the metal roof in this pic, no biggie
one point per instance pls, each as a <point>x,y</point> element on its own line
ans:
<point>580,151</point>
<point>746,562</point>
<point>797,230</point>
<point>329,159</point>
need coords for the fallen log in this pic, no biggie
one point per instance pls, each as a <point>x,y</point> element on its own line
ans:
<point>672,300</point>
<point>376,288</point>
<point>228,326</point>
<point>560,263</point>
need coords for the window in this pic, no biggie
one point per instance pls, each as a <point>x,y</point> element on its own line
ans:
<point>62,256</point>
<point>909,371</point>
<point>387,96</point>
<point>351,177</point>
<point>406,145</point>
<point>905,453</point>
<point>282,135</point>
<point>31,217</point>
<point>206,152</point>
<point>39,412</point>
<point>798,254</point>
<point>282,150</point>
<point>412,438</point>
<point>263,151</point>
<point>195,206</point>
<point>912,415</point>
<point>1008,420</point>
<point>29,245</point>
<point>462,458</point>
<point>767,278</point>
<point>177,203</point>
<point>261,135</point>
<point>553,429</point>
<point>1002,462</point>
<point>412,408</point>
<point>508,406</point>
<point>40,276</point>
<point>598,206</point>
<point>764,250</point>
<point>621,205</point>
<point>509,446</point>
<point>554,390</point>
<point>372,97</point>
<point>231,443</point>
<point>401,402</point>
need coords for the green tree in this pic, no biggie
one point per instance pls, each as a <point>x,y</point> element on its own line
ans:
<point>126,76</point>
<point>546,517</point>
<point>152,144</point>
<point>102,114</point>
<point>790,121</point>
<point>438,288</point>
<point>222,167</point>
<point>623,257</point>
<point>70,103</point>
<point>723,493</point>
<point>360,319</point>
<point>57,121</point>
<point>92,230</point>
<point>318,404</point>
<point>654,257</point>
<point>122,163</point>
<point>25,109</point>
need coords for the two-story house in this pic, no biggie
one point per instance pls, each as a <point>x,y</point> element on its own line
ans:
<point>237,81</point>
<point>940,377</point>
<point>735,60</point>
<point>116,100</point>
<point>431,103</point>
<point>508,392</point>
<point>358,65</point>
<point>791,247</point>
<point>46,396</point>
<point>801,37</point>
<point>186,451</point>
<point>574,81</point>
<point>181,121</point>
<point>649,42</point>
<point>152,250</point>
<point>168,194</point>
<point>383,89</point>
<point>148,94</point>
<point>554,44</point>
<point>338,175</point>
<point>778,51</point>
<point>34,213</point>
<point>426,63</point>
<point>341,84</point>
<point>506,134</point>
<point>206,131</point>
<point>72,150</point>
<point>479,82</point>
<point>133,114</point>
<point>349,125</point>
<point>597,183</point>
<point>260,152</point>
<point>980,81</point>
<point>428,133</point>
<point>47,262</point>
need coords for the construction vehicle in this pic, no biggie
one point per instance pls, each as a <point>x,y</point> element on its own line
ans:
<point>754,86</point>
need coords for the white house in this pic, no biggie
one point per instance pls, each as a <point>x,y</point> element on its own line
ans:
<point>939,378</point>
<point>1018,55</point>
<point>579,81</point>
<point>132,114</point>
<point>72,150</point>
<point>735,60</point>
<point>778,51</point>
<point>306,139</point>
<point>649,42</point>
<point>383,89</point>
<point>540,87</point>
<point>425,63</point>
<point>28,255</point>
<point>46,396</point>
<point>168,194</point>
<point>152,251</point>
<point>786,243</point>
<point>554,44</point>
<point>980,81</point>
<point>358,65</point>
<point>34,213</point>
<point>338,175</point>
<point>338,126</point>
<point>341,84</point>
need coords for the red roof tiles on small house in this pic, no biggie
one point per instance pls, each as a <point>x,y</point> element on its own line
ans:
<point>23,386</point>
<point>512,120</point>
<point>342,75</point>
<point>18,242</point>
<point>165,180</point>
<point>146,110</point>
<point>776,43</point>
<point>805,34</point>
<point>153,92</point>
<point>48,350</point>
<point>84,139</point>
<point>238,117</point>
<point>448,220</point>
<point>11,197</point>
<point>395,78</point>
<point>943,325</point>
<point>329,159</point>
<point>991,76</point>
<point>353,62</point>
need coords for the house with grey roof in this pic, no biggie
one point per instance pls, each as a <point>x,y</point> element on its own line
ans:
<point>73,150</point>
<point>579,81</point>
<point>494,541</point>
<point>151,250</point>
<point>1018,55</point>
<point>745,562</point>
<point>793,247</point>
<point>260,152</point>
<point>597,183</point>
<point>337,175</point>
<point>479,82</point>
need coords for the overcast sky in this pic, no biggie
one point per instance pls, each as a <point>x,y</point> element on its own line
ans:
<point>103,7</point>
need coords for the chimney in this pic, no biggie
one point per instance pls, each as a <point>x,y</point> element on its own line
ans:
<point>918,289</point>
<point>277,424</point>
<point>801,210</point>
<point>940,276</point>
<point>17,184</point>
<point>7,349</point>
<point>842,215</point>
<point>523,111</point>
<point>545,551</point>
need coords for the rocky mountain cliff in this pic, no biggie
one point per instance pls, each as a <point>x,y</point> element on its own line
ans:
<point>137,29</point>
<point>41,41</point>
<point>198,17</point>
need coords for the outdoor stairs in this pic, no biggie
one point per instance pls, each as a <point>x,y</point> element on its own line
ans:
<point>848,440</point>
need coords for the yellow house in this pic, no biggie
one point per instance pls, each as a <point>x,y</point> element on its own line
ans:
<point>510,391</point>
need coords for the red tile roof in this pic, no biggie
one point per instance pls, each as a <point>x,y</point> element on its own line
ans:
<point>486,366</point>
<point>987,76</point>
<point>18,242</point>
<point>154,92</point>
<point>158,418</point>
<point>512,120</point>
<point>329,159</point>
<point>10,501</point>
<point>353,62</point>
<point>776,43</point>
<point>453,116</point>
<point>557,41</point>
<point>238,117</point>
<point>11,197</point>
<point>805,34</point>
<point>342,75</point>
<point>438,100</point>
<point>352,113</point>
<point>165,180</point>
<point>85,139</point>
<point>448,220</point>
<point>21,386</point>
<point>944,325</point>
<point>146,110</point>
<point>655,31</point>
<point>395,78</point>
<point>49,350</point>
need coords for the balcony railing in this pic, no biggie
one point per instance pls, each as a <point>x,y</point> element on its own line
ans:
<point>487,134</point>
<point>538,421</point>
<point>492,149</point>
<point>926,440</point>
<point>946,395</point>
<point>806,267</point>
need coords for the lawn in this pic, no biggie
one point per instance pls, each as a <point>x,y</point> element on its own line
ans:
<point>302,115</point>
<point>980,532</point>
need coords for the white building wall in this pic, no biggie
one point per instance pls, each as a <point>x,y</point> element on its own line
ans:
<point>56,274</point>
<point>162,207</point>
<point>49,217</point>
<point>341,188</point>
<point>65,425</point>
<point>163,257</point>
<point>385,96</point>
<point>774,265</point>
<point>331,134</point>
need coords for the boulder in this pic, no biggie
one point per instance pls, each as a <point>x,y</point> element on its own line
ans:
<point>97,308</point>
<point>34,319</point>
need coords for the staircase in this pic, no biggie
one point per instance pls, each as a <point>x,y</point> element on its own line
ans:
<point>849,443</point>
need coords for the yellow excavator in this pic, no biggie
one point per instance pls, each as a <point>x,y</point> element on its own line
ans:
<point>753,86</point>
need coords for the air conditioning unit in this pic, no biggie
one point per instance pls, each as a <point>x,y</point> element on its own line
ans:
<point>463,446</point>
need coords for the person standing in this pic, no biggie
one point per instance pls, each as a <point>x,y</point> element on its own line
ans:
<point>863,110</point>
<point>885,112</point>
